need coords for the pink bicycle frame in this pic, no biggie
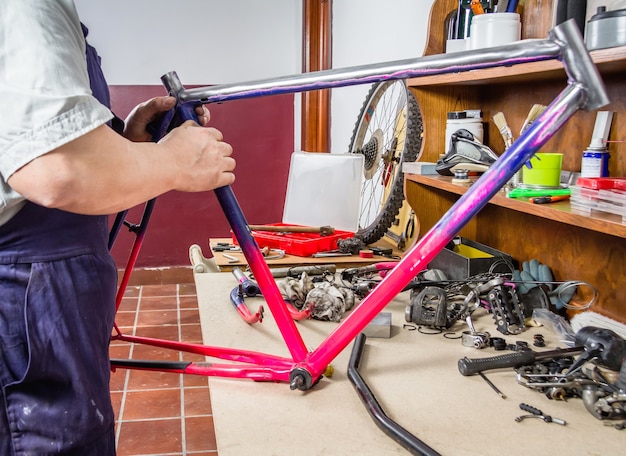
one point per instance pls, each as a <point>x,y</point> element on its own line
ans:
<point>585,90</point>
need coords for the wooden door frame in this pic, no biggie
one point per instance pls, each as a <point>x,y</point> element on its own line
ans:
<point>316,56</point>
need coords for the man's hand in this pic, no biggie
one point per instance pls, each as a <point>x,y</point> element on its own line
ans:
<point>136,124</point>
<point>203,161</point>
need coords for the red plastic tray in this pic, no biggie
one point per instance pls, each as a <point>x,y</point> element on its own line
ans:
<point>602,183</point>
<point>299,244</point>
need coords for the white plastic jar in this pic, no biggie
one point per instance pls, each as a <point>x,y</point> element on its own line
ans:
<point>457,120</point>
<point>494,29</point>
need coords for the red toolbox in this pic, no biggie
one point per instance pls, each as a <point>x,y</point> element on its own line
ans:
<point>299,244</point>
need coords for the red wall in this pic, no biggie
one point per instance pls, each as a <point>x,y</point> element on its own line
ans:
<point>261,133</point>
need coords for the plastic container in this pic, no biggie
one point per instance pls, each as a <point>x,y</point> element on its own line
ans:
<point>602,183</point>
<point>468,258</point>
<point>324,190</point>
<point>608,201</point>
<point>606,29</point>
<point>495,29</point>
<point>469,120</point>
<point>545,170</point>
<point>299,244</point>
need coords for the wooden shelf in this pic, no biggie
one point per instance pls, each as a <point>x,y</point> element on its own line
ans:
<point>577,246</point>
<point>561,212</point>
<point>609,61</point>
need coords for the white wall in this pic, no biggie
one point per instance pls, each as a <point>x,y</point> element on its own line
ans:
<point>371,31</point>
<point>205,41</point>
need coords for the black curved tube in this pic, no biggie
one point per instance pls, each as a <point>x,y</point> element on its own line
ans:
<point>403,437</point>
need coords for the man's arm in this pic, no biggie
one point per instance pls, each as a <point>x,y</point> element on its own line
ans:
<point>103,173</point>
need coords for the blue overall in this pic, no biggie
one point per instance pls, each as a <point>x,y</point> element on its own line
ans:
<point>57,307</point>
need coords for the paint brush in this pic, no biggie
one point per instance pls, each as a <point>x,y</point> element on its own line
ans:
<point>504,129</point>
<point>534,112</point>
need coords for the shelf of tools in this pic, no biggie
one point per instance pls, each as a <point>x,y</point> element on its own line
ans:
<point>586,246</point>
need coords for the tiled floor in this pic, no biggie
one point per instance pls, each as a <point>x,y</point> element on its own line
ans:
<point>159,413</point>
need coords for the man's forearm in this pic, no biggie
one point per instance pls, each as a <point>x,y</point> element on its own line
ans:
<point>98,173</point>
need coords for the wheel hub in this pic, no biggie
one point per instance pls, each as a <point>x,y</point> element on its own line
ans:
<point>372,152</point>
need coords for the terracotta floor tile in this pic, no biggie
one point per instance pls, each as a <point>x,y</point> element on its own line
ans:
<point>148,404</point>
<point>193,357</point>
<point>147,380</point>
<point>132,291</point>
<point>116,400</point>
<point>157,317</point>
<point>190,381</point>
<point>128,304</point>
<point>125,319</point>
<point>155,404</point>
<point>191,333</point>
<point>189,316</point>
<point>150,437</point>
<point>197,402</point>
<point>118,380</point>
<point>158,303</point>
<point>187,289</point>
<point>119,349</point>
<point>200,434</point>
<point>188,302</point>
<point>158,332</point>
<point>160,290</point>
<point>148,352</point>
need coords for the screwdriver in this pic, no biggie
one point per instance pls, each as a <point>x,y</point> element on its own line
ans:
<point>548,199</point>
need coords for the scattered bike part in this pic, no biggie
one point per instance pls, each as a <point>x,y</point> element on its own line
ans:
<point>536,413</point>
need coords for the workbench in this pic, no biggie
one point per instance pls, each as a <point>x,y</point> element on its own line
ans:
<point>413,375</point>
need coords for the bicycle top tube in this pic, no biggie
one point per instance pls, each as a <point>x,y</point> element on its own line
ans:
<point>510,54</point>
<point>564,43</point>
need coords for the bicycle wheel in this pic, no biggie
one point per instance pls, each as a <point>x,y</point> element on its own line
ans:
<point>388,132</point>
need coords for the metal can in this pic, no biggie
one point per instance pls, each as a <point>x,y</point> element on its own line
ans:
<point>595,163</point>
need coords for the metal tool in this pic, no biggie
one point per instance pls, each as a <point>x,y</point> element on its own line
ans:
<point>596,343</point>
<point>602,344</point>
<point>399,239</point>
<point>493,387</point>
<point>468,366</point>
<point>296,271</point>
<point>322,230</point>
<point>225,247</point>
<point>330,254</point>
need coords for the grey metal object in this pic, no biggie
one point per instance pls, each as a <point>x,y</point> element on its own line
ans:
<point>564,41</point>
<point>520,52</point>
<point>606,29</point>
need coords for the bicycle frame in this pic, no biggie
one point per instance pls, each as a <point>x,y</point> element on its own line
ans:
<point>584,90</point>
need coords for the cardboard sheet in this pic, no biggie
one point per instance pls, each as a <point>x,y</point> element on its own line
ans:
<point>414,377</point>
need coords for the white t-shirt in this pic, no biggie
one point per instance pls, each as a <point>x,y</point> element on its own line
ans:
<point>45,96</point>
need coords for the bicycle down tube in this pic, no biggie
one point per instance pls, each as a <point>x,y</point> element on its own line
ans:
<point>584,90</point>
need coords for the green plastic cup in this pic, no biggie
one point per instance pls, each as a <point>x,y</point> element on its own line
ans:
<point>545,170</point>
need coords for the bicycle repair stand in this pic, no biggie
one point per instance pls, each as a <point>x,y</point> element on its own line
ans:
<point>584,90</point>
